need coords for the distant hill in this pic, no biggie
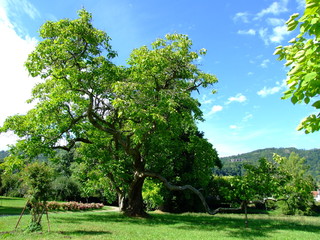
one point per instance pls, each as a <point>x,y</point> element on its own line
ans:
<point>233,165</point>
<point>3,154</point>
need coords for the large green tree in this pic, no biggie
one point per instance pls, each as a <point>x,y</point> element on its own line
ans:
<point>303,58</point>
<point>130,119</point>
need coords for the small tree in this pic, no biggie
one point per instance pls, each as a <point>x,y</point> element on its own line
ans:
<point>257,185</point>
<point>298,187</point>
<point>37,176</point>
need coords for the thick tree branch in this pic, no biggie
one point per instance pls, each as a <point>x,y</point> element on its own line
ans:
<point>200,195</point>
<point>97,121</point>
<point>182,188</point>
<point>72,143</point>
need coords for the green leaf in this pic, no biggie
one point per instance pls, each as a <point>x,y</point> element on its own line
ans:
<point>292,25</point>
<point>287,94</point>
<point>308,77</point>
<point>289,62</point>
<point>299,54</point>
<point>316,104</point>
<point>294,99</point>
<point>292,18</point>
<point>278,50</point>
<point>311,4</point>
<point>294,70</point>
<point>307,100</point>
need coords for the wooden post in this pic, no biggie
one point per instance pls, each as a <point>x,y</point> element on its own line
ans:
<point>21,215</point>
<point>48,219</point>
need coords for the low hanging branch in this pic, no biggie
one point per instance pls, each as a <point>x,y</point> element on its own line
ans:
<point>192,189</point>
<point>202,198</point>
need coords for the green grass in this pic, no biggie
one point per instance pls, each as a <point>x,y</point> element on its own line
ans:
<point>11,205</point>
<point>14,206</point>
<point>113,225</point>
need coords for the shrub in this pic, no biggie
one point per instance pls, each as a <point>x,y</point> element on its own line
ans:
<point>53,206</point>
<point>37,176</point>
<point>73,206</point>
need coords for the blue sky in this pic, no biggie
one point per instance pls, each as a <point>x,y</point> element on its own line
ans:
<point>240,35</point>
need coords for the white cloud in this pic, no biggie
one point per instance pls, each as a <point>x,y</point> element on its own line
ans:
<point>19,7</point>
<point>16,11</point>
<point>275,21</point>
<point>278,34</point>
<point>301,4</point>
<point>265,63</point>
<point>268,91</point>
<point>269,28</point>
<point>215,108</point>
<point>15,82</point>
<point>233,126</point>
<point>226,149</point>
<point>274,9</point>
<point>206,100</point>
<point>248,32</point>
<point>263,33</point>
<point>272,90</point>
<point>27,8</point>
<point>199,59</point>
<point>247,117</point>
<point>238,98</point>
<point>242,16</point>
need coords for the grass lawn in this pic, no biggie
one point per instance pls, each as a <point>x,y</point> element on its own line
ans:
<point>11,205</point>
<point>113,225</point>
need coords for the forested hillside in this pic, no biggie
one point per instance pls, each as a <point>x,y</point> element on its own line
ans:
<point>232,165</point>
<point>3,154</point>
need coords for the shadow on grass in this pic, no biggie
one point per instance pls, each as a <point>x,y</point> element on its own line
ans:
<point>11,211</point>
<point>259,226</point>
<point>10,198</point>
<point>83,232</point>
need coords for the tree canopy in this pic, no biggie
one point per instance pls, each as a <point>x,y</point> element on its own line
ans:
<point>132,121</point>
<point>302,56</point>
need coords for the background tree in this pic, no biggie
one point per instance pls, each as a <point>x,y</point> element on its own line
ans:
<point>259,184</point>
<point>302,55</point>
<point>117,111</point>
<point>297,189</point>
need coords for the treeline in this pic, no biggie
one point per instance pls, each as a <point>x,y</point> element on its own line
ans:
<point>76,179</point>
<point>248,181</point>
<point>70,180</point>
<point>234,165</point>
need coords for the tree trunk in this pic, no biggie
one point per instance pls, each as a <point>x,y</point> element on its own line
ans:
<point>246,213</point>
<point>135,207</point>
<point>123,202</point>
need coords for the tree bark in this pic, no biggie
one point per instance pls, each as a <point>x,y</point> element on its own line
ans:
<point>245,202</point>
<point>123,202</point>
<point>135,207</point>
